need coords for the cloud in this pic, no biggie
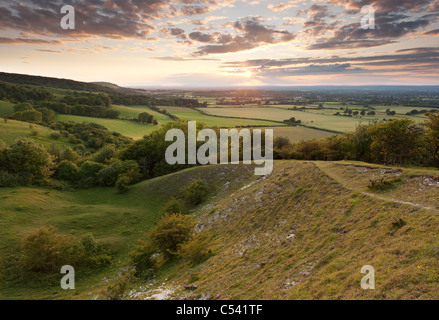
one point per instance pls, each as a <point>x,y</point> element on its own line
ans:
<point>251,33</point>
<point>431,32</point>
<point>280,6</point>
<point>4,40</point>
<point>115,19</point>
<point>420,59</point>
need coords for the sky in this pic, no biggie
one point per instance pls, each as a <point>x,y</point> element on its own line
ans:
<point>223,43</point>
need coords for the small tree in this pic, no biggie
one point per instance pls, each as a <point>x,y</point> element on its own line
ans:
<point>196,192</point>
<point>67,171</point>
<point>25,156</point>
<point>432,138</point>
<point>171,231</point>
<point>145,117</point>
<point>46,250</point>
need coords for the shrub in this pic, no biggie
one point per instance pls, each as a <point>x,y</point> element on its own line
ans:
<point>28,115</point>
<point>89,170</point>
<point>122,184</point>
<point>70,155</point>
<point>47,250</point>
<point>398,224</point>
<point>196,192</point>
<point>25,156</point>
<point>67,171</point>
<point>173,206</point>
<point>117,288</point>
<point>23,107</point>
<point>142,258</point>
<point>105,154</point>
<point>171,231</point>
<point>55,135</point>
<point>109,175</point>
<point>381,184</point>
<point>195,250</point>
<point>8,179</point>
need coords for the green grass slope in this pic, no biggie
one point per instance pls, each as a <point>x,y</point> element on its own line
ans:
<point>115,220</point>
<point>302,232</point>
<point>12,129</point>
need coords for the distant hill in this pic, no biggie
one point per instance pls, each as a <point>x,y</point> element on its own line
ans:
<point>107,85</point>
<point>103,87</point>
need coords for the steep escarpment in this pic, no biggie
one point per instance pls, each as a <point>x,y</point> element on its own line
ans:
<point>301,234</point>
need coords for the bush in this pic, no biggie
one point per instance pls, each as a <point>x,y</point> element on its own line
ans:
<point>27,157</point>
<point>46,250</point>
<point>195,250</point>
<point>8,179</point>
<point>142,258</point>
<point>171,231</point>
<point>196,192</point>
<point>105,154</point>
<point>173,206</point>
<point>89,171</point>
<point>122,184</point>
<point>381,184</point>
<point>67,171</point>
<point>70,155</point>
<point>55,135</point>
<point>117,288</point>
<point>109,175</point>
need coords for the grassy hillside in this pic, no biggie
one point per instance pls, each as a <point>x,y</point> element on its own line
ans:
<point>127,128</point>
<point>300,233</point>
<point>12,129</point>
<point>115,220</point>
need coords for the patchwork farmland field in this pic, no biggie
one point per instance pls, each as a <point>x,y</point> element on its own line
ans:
<point>297,134</point>
<point>327,122</point>
<point>187,114</point>
<point>316,118</point>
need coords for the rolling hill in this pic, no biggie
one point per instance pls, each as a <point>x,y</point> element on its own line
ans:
<point>302,232</point>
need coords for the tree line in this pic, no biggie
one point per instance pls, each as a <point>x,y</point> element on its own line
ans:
<point>398,142</point>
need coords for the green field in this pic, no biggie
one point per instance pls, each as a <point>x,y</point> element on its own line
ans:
<point>13,129</point>
<point>322,119</point>
<point>129,112</point>
<point>188,114</point>
<point>327,122</point>
<point>115,220</point>
<point>125,127</point>
<point>297,134</point>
